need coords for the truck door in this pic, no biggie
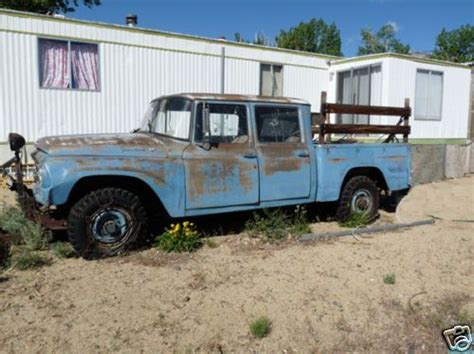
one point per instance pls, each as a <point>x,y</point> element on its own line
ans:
<point>224,172</point>
<point>283,156</point>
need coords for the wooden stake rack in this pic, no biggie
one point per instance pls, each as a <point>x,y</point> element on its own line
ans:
<point>324,128</point>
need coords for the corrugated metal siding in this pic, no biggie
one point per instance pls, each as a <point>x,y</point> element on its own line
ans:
<point>305,83</point>
<point>453,123</point>
<point>399,82</point>
<point>134,68</point>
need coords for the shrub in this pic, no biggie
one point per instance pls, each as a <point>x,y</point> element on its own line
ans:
<point>62,250</point>
<point>14,222</point>
<point>24,258</point>
<point>389,278</point>
<point>179,238</point>
<point>356,220</point>
<point>275,225</point>
<point>260,327</point>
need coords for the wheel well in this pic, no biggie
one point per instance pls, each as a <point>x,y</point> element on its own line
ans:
<point>135,185</point>
<point>371,172</point>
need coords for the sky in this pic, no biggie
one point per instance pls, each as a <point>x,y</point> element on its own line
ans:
<point>418,22</point>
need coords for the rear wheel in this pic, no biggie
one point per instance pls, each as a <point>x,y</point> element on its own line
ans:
<point>360,195</point>
<point>106,222</point>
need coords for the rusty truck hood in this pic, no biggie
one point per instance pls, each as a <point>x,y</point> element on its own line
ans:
<point>133,144</point>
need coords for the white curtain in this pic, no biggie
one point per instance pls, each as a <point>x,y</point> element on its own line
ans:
<point>421,94</point>
<point>277,81</point>
<point>54,64</point>
<point>436,95</point>
<point>85,66</point>
<point>266,80</point>
<point>178,124</point>
<point>375,91</point>
<point>344,95</point>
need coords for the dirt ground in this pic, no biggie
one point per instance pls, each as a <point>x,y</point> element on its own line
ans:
<point>320,296</point>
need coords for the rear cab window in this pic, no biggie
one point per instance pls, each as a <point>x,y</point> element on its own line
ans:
<point>278,124</point>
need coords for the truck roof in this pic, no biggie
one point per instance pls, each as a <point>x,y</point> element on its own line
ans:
<point>246,98</point>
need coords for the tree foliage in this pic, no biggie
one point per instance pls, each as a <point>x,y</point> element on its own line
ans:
<point>314,36</point>
<point>259,39</point>
<point>382,42</point>
<point>46,6</point>
<point>456,45</point>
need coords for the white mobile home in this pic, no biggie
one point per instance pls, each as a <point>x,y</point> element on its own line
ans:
<point>64,76</point>
<point>438,91</point>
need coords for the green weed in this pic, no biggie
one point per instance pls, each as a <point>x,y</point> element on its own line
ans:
<point>24,258</point>
<point>389,278</point>
<point>356,220</point>
<point>260,327</point>
<point>62,250</point>
<point>275,224</point>
<point>14,222</point>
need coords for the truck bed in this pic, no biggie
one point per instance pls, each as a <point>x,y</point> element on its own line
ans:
<point>335,161</point>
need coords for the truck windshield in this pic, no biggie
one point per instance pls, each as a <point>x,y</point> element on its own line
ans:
<point>171,117</point>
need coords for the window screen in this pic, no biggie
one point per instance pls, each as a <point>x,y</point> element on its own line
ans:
<point>271,80</point>
<point>277,124</point>
<point>428,95</point>
<point>68,65</point>
<point>228,123</point>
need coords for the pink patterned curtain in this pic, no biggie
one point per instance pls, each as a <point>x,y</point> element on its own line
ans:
<point>85,66</point>
<point>54,64</point>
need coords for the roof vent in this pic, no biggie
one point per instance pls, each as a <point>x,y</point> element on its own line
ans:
<point>131,20</point>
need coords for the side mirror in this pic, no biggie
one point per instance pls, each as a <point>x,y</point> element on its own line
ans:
<point>16,141</point>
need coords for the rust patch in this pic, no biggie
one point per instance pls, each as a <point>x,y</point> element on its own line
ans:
<point>337,160</point>
<point>395,158</point>
<point>213,171</point>
<point>281,158</point>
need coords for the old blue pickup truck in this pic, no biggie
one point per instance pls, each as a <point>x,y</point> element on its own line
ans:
<point>198,154</point>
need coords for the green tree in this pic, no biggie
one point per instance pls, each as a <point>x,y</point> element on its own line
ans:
<point>46,6</point>
<point>260,39</point>
<point>313,36</point>
<point>382,42</point>
<point>456,45</point>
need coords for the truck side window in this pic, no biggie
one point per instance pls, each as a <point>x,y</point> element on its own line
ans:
<point>228,124</point>
<point>277,124</point>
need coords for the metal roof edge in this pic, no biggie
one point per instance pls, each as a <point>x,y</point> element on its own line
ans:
<point>400,56</point>
<point>162,33</point>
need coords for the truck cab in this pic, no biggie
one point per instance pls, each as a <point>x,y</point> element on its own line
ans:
<point>200,154</point>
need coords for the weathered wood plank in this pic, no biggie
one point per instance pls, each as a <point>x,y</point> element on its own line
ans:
<point>368,110</point>
<point>363,129</point>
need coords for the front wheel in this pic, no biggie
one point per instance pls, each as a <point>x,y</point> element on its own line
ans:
<point>106,222</point>
<point>360,195</point>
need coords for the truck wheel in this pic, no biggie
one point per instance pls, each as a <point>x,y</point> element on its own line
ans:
<point>360,195</point>
<point>106,222</point>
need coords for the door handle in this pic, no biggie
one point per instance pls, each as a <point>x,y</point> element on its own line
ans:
<point>250,155</point>
<point>303,154</point>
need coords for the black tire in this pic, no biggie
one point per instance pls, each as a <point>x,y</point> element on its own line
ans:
<point>359,195</point>
<point>106,222</point>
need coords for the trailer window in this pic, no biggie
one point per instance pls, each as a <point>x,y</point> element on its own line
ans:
<point>277,124</point>
<point>428,95</point>
<point>68,65</point>
<point>271,80</point>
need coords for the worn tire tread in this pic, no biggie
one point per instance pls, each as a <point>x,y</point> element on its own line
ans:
<point>77,226</point>
<point>343,212</point>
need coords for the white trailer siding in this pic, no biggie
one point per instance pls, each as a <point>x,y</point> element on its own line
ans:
<point>399,82</point>
<point>135,66</point>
